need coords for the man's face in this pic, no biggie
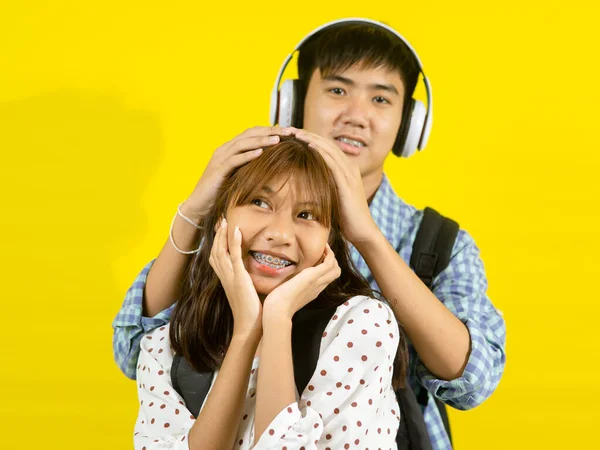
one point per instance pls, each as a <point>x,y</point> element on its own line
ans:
<point>361,109</point>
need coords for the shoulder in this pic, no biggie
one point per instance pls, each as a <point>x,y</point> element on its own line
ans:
<point>365,318</point>
<point>156,345</point>
<point>362,304</point>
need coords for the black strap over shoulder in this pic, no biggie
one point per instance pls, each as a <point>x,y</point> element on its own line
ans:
<point>433,245</point>
<point>431,254</point>
<point>412,430</point>
<point>308,326</point>
<point>192,385</point>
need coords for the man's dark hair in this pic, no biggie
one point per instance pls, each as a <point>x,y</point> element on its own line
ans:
<point>339,47</point>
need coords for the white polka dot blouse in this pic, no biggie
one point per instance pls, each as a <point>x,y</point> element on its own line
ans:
<point>348,403</point>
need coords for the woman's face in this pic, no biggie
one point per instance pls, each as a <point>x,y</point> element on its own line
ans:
<point>280,234</point>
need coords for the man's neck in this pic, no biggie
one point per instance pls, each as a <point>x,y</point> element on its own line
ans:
<point>371,183</point>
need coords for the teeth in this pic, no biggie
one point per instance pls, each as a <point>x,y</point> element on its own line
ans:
<point>271,261</point>
<point>350,141</point>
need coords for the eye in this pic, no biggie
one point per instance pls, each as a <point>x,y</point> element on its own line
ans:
<point>260,203</point>
<point>381,100</point>
<point>307,215</point>
<point>337,91</point>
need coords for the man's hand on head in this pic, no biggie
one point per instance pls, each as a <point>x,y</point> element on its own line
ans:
<point>357,224</point>
<point>232,154</point>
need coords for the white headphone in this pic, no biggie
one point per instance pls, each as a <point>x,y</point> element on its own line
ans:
<point>411,136</point>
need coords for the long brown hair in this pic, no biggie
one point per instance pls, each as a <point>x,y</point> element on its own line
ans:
<point>202,322</point>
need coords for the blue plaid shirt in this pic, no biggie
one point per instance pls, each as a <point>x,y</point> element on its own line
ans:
<point>461,287</point>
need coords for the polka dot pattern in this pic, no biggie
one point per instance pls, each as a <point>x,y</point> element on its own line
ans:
<point>346,396</point>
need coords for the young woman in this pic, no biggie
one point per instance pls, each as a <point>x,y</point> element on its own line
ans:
<point>272,245</point>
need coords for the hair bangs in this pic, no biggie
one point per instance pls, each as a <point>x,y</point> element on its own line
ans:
<point>290,161</point>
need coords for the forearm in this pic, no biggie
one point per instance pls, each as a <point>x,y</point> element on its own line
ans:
<point>441,339</point>
<point>163,286</point>
<point>218,422</point>
<point>276,384</point>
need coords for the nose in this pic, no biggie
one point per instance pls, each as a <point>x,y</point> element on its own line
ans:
<point>279,230</point>
<point>356,111</point>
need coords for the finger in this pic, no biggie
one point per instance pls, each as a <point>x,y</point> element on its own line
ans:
<point>328,255</point>
<point>325,145</point>
<point>259,137</point>
<point>215,252</point>
<point>243,158</point>
<point>341,181</point>
<point>213,259</point>
<point>235,248</point>
<point>331,274</point>
<point>265,131</point>
<point>222,247</point>
<point>341,161</point>
<point>250,143</point>
<point>213,249</point>
<point>335,159</point>
<point>328,261</point>
<point>252,140</point>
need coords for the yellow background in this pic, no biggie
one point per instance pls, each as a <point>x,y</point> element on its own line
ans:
<point>109,113</point>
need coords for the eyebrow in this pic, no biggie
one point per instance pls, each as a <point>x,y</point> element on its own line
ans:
<point>375,86</point>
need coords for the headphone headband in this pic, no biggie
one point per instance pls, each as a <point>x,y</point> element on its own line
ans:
<point>429,112</point>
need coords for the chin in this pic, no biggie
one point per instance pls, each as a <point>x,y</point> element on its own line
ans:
<point>263,287</point>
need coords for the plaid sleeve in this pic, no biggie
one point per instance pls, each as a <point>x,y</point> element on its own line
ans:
<point>462,288</point>
<point>129,326</point>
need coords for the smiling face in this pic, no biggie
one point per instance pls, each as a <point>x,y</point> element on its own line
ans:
<point>282,233</point>
<point>361,109</point>
<point>358,78</point>
<point>285,204</point>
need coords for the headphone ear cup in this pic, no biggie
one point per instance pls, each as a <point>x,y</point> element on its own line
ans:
<point>290,107</point>
<point>411,130</point>
<point>398,147</point>
<point>415,129</point>
<point>285,110</point>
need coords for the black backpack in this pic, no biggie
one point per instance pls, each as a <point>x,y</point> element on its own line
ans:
<point>430,255</point>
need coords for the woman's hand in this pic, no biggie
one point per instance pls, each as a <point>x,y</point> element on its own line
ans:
<point>226,260</point>
<point>240,150</point>
<point>285,300</point>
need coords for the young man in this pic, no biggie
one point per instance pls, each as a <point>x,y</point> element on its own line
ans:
<point>356,82</point>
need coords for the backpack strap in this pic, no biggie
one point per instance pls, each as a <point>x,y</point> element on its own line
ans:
<point>412,430</point>
<point>433,245</point>
<point>308,326</point>
<point>431,254</point>
<point>193,386</point>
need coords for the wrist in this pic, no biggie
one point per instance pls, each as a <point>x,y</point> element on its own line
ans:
<point>276,320</point>
<point>247,337</point>
<point>368,235</point>
<point>191,213</point>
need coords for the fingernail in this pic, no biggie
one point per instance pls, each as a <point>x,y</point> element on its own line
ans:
<point>274,138</point>
<point>236,231</point>
<point>223,222</point>
<point>258,151</point>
